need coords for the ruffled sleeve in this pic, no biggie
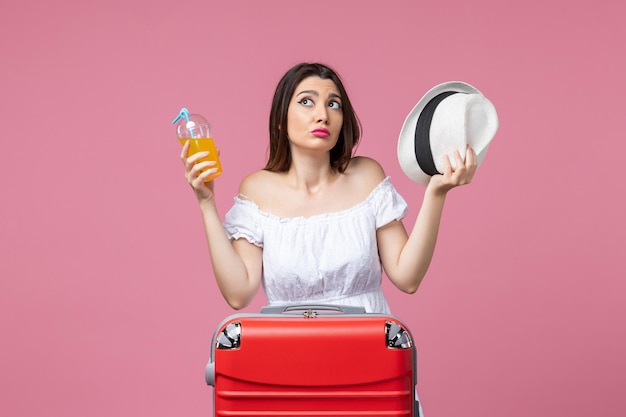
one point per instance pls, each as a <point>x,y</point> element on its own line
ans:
<point>243,221</point>
<point>387,203</point>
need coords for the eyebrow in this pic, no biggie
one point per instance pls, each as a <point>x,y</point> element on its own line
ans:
<point>315,93</point>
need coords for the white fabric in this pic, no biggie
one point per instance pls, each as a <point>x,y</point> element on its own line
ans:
<point>324,259</point>
<point>461,120</point>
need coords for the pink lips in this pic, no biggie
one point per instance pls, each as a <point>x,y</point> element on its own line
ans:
<point>321,132</point>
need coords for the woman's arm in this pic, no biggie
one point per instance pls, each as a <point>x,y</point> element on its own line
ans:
<point>407,258</point>
<point>236,265</point>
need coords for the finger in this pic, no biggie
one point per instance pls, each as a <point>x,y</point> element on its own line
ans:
<point>194,159</point>
<point>197,156</point>
<point>461,170</point>
<point>197,183</point>
<point>200,182</point>
<point>470,157</point>
<point>447,165</point>
<point>458,159</point>
<point>196,170</point>
<point>202,166</point>
<point>185,151</point>
<point>204,175</point>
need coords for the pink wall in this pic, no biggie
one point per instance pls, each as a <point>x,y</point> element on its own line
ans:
<point>106,296</point>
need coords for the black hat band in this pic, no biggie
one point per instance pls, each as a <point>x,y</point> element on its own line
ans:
<point>423,153</point>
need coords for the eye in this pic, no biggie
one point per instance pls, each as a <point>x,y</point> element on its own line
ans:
<point>306,102</point>
<point>334,105</point>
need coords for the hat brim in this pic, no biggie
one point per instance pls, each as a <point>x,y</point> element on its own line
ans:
<point>406,140</point>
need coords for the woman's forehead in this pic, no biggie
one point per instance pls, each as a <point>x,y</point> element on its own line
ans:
<point>317,84</point>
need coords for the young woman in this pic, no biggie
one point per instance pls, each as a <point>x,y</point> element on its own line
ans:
<point>317,225</point>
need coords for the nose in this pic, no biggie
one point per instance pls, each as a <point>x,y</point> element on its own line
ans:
<point>321,115</point>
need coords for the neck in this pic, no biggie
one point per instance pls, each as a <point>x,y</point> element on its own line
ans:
<point>310,174</point>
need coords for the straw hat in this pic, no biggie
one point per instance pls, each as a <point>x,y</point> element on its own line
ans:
<point>448,117</point>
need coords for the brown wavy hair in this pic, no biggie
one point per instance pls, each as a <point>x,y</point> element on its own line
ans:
<point>279,158</point>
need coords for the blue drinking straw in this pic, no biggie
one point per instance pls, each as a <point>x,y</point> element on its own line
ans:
<point>183,113</point>
<point>190,125</point>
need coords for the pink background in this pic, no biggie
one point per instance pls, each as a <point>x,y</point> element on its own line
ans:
<point>106,295</point>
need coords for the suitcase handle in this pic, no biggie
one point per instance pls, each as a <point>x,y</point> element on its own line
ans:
<point>315,308</point>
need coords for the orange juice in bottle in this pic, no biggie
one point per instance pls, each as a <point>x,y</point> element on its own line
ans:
<point>197,130</point>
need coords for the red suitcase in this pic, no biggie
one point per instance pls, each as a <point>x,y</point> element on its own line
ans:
<point>311,361</point>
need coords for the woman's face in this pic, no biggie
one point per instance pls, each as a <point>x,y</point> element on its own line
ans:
<point>315,114</point>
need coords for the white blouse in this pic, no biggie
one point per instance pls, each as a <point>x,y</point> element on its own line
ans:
<point>329,258</point>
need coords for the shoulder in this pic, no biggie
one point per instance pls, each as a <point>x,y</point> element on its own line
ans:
<point>364,165</point>
<point>254,181</point>
<point>259,186</point>
<point>365,171</point>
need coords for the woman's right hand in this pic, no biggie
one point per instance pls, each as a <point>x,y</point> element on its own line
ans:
<point>195,176</point>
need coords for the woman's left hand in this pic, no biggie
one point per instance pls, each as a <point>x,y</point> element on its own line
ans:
<point>461,175</point>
